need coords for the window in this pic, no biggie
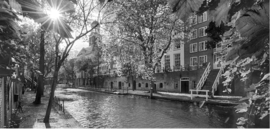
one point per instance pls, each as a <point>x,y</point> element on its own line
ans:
<point>146,85</point>
<point>193,47</point>
<point>202,46</point>
<point>177,45</point>
<point>128,84</point>
<point>139,85</point>
<point>202,59</point>
<point>193,61</point>
<point>167,62</point>
<point>204,16</point>
<point>161,85</point>
<point>195,20</point>
<point>217,58</point>
<point>200,19</point>
<point>177,59</point>
<point>202,31</point>
<point>190,21</point>
<point>194,34</point>
<point>176,85</point>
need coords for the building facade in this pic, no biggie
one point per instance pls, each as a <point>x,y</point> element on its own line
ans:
<point>173,59</point>
<point>196,52</point>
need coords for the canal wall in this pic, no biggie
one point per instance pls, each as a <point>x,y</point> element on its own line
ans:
<point>176,82</point>
<point>166,82</point>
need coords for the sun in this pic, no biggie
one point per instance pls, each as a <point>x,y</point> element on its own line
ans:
<point>54,14</point>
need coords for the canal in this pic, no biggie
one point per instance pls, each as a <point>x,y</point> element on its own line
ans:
<point>94,109</point>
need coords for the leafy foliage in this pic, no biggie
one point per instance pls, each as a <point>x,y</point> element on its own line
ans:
<point>215,32</point>
<point>148,27</point>
<point>248,38</point>
<point>185,7</point>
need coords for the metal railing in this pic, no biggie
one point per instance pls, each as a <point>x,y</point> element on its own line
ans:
<point>197,93</point>
<point>57,103</point>
<point>217,80</point>
<point>204,76</point>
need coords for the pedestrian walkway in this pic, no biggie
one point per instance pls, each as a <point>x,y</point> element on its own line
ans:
<point>32,116</point>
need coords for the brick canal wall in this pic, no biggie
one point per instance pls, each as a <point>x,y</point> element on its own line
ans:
<point>168,82</point>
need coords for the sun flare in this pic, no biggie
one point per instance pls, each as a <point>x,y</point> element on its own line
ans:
<point>54,14</point>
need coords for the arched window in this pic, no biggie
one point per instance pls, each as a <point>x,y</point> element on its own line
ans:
<point>146,85</point>
<point>139,84</point>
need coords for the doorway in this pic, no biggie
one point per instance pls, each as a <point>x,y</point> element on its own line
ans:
<point>134,85</point>
<point>184,86</point>
<point>111,85</point>
<point>119,85</point>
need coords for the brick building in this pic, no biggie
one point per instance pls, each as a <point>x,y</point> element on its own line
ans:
<point>196,53</point>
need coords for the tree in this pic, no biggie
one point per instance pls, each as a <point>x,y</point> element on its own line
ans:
<point>35,10</point>
<point>9,35</point>
<point>147,25</point>
<point>80,20</point>
<point>68,71</point>
<point>248,23</point>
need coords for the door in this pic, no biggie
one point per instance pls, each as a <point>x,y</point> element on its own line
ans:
<point>134,85</point>
<point>119,85</point>
<point>184,86</point>
<point>111,85</point>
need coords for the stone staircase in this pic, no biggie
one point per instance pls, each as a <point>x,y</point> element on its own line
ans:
<point>210,80</point>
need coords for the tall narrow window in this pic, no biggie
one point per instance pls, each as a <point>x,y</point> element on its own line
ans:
<point>177,44</point>
<point>195,19</point>
<point>202,31</point>
<point>194,34</point>
<point>193,47</point>
<point>167,62</point>
<point>204,16</point>
<point>202,46</point>
<point>193,61</point>
<point>202,59</point>
<point>200,19</point>
<point>177,60</point>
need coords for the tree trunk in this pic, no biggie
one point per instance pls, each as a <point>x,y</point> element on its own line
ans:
<point>32,80</point>
<point>54,83</point>
<point>41,61</point>
<point>49,107</point>
<point>40,86</point>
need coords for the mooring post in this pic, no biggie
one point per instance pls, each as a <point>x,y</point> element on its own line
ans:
<point>63,107</point>
<point>151,92</point>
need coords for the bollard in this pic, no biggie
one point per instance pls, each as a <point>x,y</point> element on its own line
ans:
<point>63,107</point>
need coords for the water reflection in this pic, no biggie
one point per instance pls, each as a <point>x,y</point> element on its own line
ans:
<point>111,111</point>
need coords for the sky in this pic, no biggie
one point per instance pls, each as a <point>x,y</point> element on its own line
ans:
<point>79,44</point>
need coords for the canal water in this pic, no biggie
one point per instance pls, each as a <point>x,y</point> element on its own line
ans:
<point>94,109</point>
